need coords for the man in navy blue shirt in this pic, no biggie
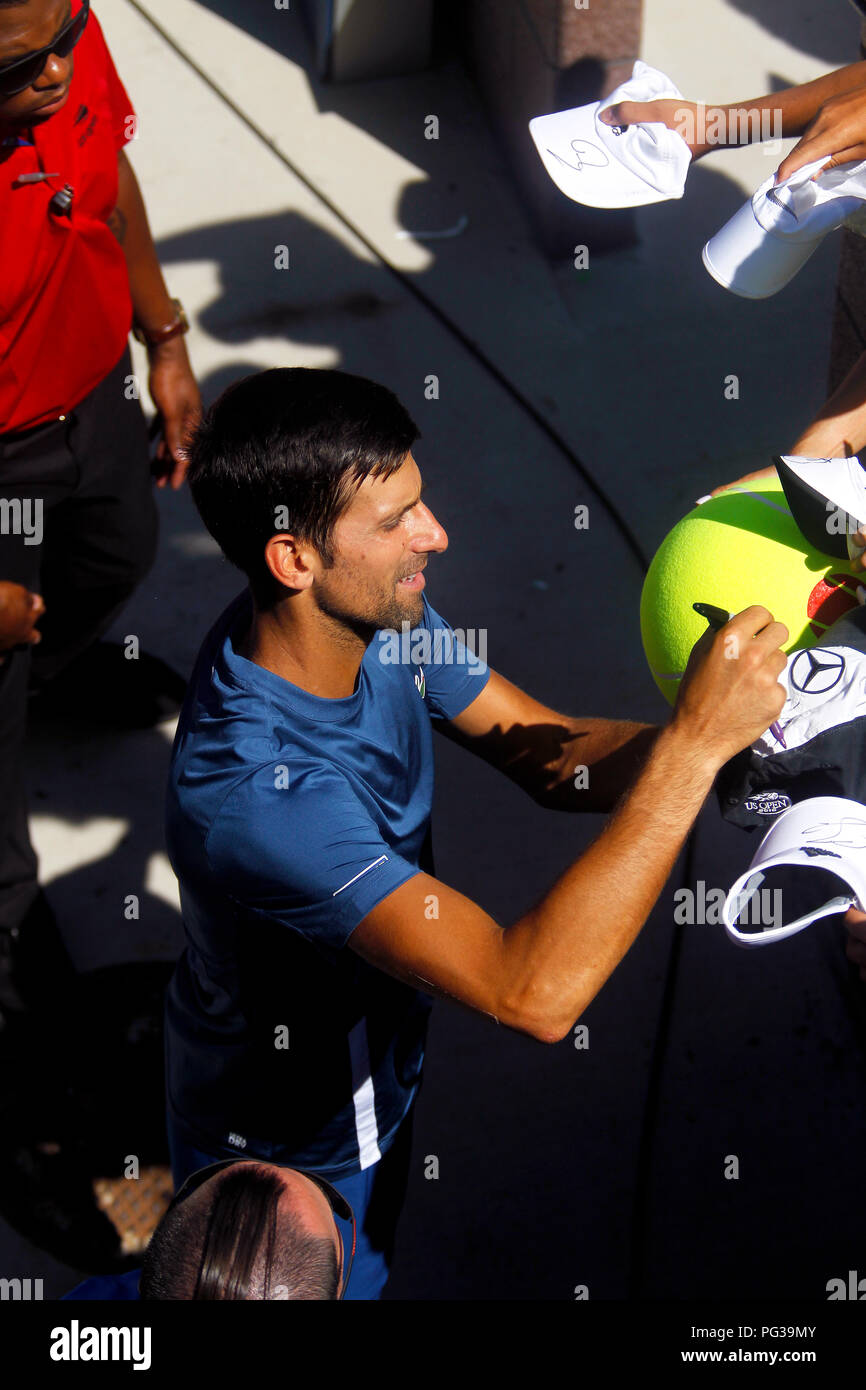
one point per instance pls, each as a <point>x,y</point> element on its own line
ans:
<point>301,791</point>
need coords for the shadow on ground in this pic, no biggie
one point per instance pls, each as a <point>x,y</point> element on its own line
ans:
<point>81,1099</point>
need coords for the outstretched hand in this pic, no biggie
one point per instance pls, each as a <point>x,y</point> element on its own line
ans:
<point>682,116</point>
<point>838,130</point>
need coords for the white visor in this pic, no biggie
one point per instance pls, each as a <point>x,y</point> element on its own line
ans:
<point>819,848</point>
<point>827,498</point>
<point>606,166</point>
<point>763,245</point>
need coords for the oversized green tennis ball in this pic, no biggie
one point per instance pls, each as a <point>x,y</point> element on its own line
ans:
<point>741,548</point>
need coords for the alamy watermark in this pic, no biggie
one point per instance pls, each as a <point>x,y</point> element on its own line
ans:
<point>442,646</point>
<point>20,1290</point>
<point>705,906</point>
<point>22,517</point>
<point>77,1343</point>
<point>718,125</point>
<point>841,523</point>
<point>853,1288</point>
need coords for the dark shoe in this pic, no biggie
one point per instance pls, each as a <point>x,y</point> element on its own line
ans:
<point>104,686</point>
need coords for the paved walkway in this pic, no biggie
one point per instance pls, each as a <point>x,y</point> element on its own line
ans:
<point>540,1150</point>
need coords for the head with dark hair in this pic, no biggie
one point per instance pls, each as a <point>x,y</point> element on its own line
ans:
<point>285,451</point>
<point>32,93</point>
<point>250,1232</point>
<point>306,479</point>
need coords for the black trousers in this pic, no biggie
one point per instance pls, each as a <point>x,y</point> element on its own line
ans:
<point>83,537</point>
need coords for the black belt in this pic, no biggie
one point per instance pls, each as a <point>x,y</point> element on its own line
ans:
<point>18,436</point>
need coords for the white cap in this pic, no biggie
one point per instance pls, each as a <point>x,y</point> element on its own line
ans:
<point>826,835</point>
<point>813,488</point>
<point>606,166</point>
<point>763,245</point>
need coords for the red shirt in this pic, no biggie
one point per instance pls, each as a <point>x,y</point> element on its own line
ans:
<point>65,307</point>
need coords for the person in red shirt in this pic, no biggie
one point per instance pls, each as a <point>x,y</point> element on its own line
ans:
<point>78,523</point>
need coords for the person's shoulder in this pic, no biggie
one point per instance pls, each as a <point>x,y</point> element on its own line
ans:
<point>93,39</point>
<point>223,721</point>
<point>268,780</point>
<point>281,820</point>
<point>216,655</point>
<point>92,52</point>
<point>281,785</point>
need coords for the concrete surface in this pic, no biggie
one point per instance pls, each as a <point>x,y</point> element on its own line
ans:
<point>553,1173</point>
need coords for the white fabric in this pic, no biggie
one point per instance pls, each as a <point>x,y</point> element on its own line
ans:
<point>841,481</point>
<point>803,208</point>
<point>364,1097</point>
<point>825,832</point>
<point>771,237</point>
<point>826,688</point>
<point>592,164</point>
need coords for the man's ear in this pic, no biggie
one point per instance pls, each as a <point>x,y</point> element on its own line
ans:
<point>291,564</point>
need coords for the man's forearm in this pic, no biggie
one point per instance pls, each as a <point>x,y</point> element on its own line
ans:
<point>564,949</point>
<point>599,763</point>
<point>150,299</point>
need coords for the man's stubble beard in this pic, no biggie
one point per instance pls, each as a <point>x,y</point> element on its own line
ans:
<point>369,613</point>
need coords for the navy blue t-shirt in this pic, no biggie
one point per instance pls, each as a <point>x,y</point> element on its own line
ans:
<point>289,818</point>
<point>107,1287</point>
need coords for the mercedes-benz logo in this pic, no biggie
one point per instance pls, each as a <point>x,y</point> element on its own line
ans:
<point>817,671</point>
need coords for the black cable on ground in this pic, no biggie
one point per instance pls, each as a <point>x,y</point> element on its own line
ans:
<point>640,1217</point>
<point>638,1243</point>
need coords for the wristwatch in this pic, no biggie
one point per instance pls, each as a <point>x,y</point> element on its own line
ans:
<point>163,335</point>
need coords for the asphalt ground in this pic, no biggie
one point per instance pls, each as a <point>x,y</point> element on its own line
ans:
<point>599,1167</point>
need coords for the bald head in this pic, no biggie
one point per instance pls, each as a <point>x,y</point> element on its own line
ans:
<point>252,1231</point>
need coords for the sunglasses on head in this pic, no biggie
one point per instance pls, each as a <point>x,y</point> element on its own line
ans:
<point>337,1202</point>
<point>18,76</point>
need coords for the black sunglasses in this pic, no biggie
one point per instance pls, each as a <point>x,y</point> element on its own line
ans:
<point>18,76</point>
<point>337,1202</point>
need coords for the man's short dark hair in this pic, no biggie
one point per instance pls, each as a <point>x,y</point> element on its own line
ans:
<point>300,439</point>
<point>232,1239</point>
